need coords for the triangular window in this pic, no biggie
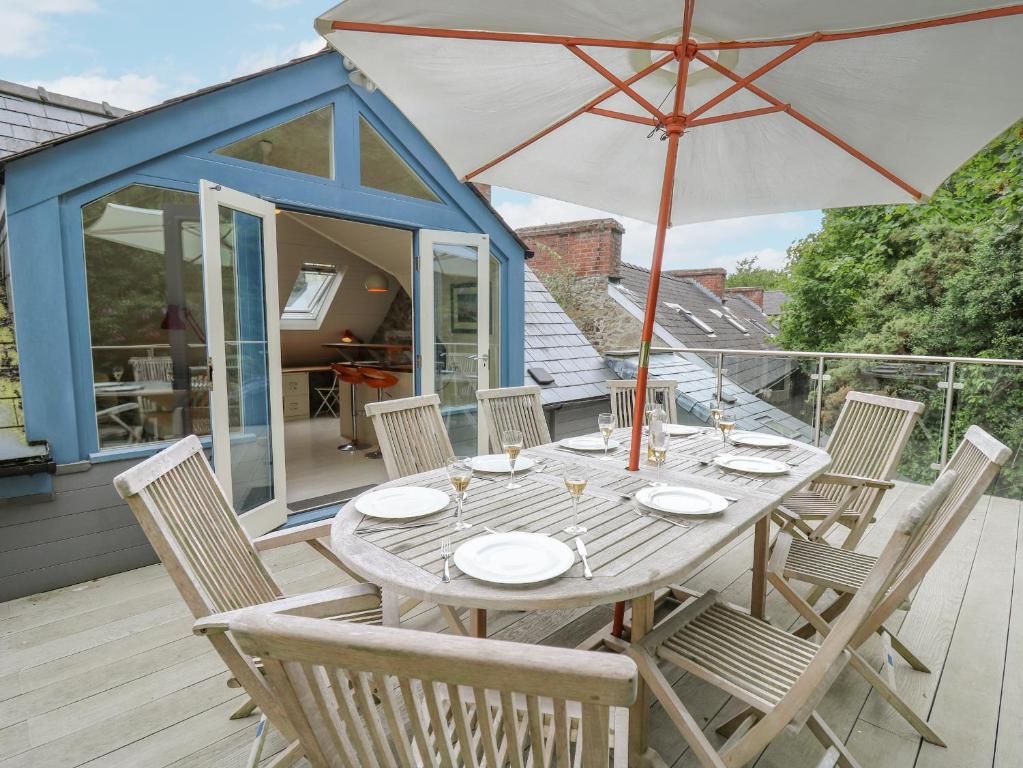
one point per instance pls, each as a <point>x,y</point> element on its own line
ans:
<point>380,167</point>
<point>304,145</point>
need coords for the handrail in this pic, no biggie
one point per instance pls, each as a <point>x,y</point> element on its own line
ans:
<point>825,355</point>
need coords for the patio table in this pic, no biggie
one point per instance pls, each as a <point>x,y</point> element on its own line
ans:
<point>631,556</point>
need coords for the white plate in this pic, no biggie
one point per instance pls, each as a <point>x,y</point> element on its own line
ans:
<point>402,503</point>
<point>760,440</point>
<point>751,464</point>
<point>680,500</point>
<point>589,443</point>
<point>681,430</point>
<point>115,387</point>
<point>499,463</point>
<point>513,558</point>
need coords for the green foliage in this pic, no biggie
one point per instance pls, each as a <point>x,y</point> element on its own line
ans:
<point>749,274</point>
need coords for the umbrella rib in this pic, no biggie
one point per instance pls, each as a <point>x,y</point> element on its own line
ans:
<point>909,26</point>
<point>816,127</point>
<point>623,116</point>
<point>502,37</point>
<point>737,115</point>
<point>604,96</point>
<point>617,81</point>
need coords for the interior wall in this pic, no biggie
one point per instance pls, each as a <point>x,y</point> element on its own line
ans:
<point>354,308</point>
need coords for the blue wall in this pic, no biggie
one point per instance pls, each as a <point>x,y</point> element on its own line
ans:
<point>172,147</point>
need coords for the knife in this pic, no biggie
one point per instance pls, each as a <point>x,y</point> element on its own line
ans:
<point>581,549</point>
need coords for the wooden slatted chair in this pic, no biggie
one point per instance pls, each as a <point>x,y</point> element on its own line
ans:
<point>411,435</point>
<point>514,408</point>
<point>374,697</point>
<point>865,447</point>
<point>185,515</point>
<point>623,398</point>
<point>976,462</point>
<point>780,677</point>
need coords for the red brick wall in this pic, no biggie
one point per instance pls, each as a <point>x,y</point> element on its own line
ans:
<point>756,295</point>
<point>588,248</point>
<point>484,189</point>
<point>712,278</point>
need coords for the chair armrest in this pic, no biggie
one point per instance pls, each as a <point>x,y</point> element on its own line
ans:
<point>790,518</point>
<point>324,604</point>
<point>300,533</point>
<point>834,478</point>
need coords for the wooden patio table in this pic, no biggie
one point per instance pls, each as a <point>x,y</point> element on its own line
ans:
<point>631,555</point>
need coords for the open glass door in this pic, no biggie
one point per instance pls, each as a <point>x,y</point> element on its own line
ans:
<point>242,325</point>
<point>455,330</point>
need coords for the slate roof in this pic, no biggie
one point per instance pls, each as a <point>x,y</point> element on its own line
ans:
<point>754,330</point>
<point>773,301</point>
<point>32,116</point>
<point>553,342</point>
<point>697,388</point>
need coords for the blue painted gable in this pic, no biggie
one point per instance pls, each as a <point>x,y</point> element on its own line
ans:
<point>173,146</point>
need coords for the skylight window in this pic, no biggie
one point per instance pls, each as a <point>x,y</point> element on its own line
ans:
<point>715,312</point>
<point>737,325</point>
<point>696,321</point>
<point>310,297</point>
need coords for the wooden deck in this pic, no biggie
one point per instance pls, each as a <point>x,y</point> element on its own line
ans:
<point>107,673</point>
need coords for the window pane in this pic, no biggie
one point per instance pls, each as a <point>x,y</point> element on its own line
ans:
<point>308,287</point>
<point>304,144</point>
<point>143,262</point>
<point>380,167</point>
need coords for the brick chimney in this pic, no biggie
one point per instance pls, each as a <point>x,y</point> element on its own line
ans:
<point>484,190</point>
<point>711,278</point>
<point>756,295</point>
<point>589,248</point>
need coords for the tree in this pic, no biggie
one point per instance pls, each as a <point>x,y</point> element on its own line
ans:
<point>749,273</point>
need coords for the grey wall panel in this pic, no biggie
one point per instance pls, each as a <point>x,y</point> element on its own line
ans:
<point>86,569</point>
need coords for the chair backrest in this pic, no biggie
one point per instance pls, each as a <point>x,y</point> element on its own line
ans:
<point>376,697</point>
<point>802,698</point>
<point>185,515</point>
<point>411,434</point>
<point>152,368</point>
<point>623,398</point>
<point>514,408</point>
<point>868,440</point>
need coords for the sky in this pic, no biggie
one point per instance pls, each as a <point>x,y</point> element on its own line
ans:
<point>134,53</point>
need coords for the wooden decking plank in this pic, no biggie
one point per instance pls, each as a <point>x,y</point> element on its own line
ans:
<point>1009,745</point>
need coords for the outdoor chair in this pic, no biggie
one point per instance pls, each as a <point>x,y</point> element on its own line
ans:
<point>865,447</point>
<point>514,408</point>
<point>185,515</point>
<point>368,697</point>
<point>780,678</point>
<point>411,435</point>
<point>976,462</point>
<point>658,391</point>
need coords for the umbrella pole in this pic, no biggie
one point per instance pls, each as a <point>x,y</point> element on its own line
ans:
<point>674,131</point>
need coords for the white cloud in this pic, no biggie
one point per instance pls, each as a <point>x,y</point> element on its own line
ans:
<point>129,91</point>
<point>277,54</point>
<point>711,244</point>
<point>27,23</point>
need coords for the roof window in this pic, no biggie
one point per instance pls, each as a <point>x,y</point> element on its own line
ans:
<point>310,298</point>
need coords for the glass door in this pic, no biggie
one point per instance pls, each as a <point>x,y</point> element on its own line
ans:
<point>455,321</point>
<point>242,324</point>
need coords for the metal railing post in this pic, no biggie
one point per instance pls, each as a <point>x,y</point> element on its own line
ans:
<point>946,419</point>
<point>818,407</point>
<point>721,373</point>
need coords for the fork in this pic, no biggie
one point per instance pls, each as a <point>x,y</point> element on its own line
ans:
<point>445,553</point>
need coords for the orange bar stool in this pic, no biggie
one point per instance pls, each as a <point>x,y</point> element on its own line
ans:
<point>352,376</point>
<point>379,380</point>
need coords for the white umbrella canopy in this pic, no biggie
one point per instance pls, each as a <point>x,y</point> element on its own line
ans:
<point>918,103</point>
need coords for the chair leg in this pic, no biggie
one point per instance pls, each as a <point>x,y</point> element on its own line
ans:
<point>288,757</point>
<point>244,710</point>
<point>900,648</point>
<point>828,614</point>
<point>897,703</point>
<point>816,594</point>
<point>257,745</point>
<point>727,729</point>
<point>836,752</point>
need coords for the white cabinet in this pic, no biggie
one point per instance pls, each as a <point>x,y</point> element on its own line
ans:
<point>296,395</point>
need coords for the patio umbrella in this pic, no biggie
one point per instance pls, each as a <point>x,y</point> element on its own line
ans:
<point>677,111</point>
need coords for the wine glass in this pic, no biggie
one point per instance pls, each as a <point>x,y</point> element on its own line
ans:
<point>511,442</point>
<point>459,474</point>
<point>716,411</point>
<point>655,418</point>
<point>659,446</point>
<point>575,482</point>
<point>726,423</point>
<point>606,425</point>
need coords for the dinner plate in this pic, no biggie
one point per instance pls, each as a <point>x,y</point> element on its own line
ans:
<point>754,465</point>
<point>499,463</point>
<point>589,443</point>
<point>513,558</point>
<point>403,503</point>
<point>681,430</point>
<point>760,440</point>
<point>680,500</point>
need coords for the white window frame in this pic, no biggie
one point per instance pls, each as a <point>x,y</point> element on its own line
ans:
<point>312,320</point>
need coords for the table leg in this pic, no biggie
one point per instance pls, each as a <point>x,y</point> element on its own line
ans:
<point>761,550</point>
<point>640,754</point>
<point>391,607</point>
<point>477,622</point>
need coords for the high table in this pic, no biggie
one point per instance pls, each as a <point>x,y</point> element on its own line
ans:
<point>631,555</point>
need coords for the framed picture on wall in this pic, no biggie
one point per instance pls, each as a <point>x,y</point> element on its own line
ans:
<point>463,308</point>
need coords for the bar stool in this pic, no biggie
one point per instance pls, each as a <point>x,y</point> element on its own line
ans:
<point>379,380</point>
<point>352,376</point>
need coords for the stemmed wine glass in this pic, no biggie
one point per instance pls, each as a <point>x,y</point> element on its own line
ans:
<point>655,418</point>
<point>606,425</point>
<point>459,474</point>
<point>659,446</point>
<point>717,410</point>
<point>575,482</point>
<point>726,423</point>
<point>511,442</point>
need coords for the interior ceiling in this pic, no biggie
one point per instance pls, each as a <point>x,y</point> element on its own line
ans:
<point>385,247</point>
